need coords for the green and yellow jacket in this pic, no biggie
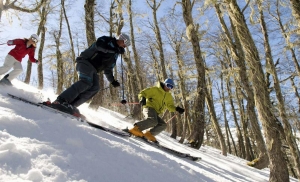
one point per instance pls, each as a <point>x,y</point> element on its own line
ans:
<point>158,99</point>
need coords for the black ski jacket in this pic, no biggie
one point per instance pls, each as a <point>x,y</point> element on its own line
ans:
<point>103,55</point>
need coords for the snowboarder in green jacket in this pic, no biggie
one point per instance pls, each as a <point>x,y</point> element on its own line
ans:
<point>155,100</point>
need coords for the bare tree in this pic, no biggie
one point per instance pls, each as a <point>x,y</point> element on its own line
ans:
<point>43,13</point>
<point>282,111</point>
<point>89,8</point>
<point>285,34</point>
<point>155,6</point>
<point>60,65</point>
<point>135,76</point>
<point>278,166</point>
<point>212,112</point>
<point>296,12</point>
<point>238,56</point>
<point>192,34</point>
<point>75,77</point>
<point>16,5</point>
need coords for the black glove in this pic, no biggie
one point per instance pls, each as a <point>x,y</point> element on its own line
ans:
<point>123,101</point>
<point>120,50</point>
<point>115,83</point>
<point>143,101</point>
<point>180,110</point>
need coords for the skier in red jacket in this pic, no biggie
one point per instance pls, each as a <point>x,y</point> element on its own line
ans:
<point>15,56</point>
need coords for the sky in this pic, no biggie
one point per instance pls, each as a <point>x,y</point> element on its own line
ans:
<point>38,145</point>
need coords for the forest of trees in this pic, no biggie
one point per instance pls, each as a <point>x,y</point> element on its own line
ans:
<point>234,62</point>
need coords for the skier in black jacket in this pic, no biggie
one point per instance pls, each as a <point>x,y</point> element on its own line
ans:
<point>100,56</point>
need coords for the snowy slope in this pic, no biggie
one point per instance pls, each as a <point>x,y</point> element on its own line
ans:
<point>37,145</point>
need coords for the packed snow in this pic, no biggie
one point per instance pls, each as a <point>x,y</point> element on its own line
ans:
<point>38,145</point>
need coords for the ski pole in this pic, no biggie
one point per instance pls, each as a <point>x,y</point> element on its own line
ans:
<point>171,118</point>
<point>2,43</point>
<point>130,103</point>
<point>123,101</point>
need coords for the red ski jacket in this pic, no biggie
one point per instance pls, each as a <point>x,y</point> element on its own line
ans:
<point>20,50</point>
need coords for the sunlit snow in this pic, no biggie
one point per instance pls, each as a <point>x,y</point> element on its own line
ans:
<point>38,145</point>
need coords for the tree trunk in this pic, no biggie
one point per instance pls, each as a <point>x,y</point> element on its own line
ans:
<point>296,12</point>
<point>278,166</point>
<point>135,74</point>
<point>237,126</point>
<point>282,111</point>
<point>41,32</point>
<point>192,34</point>
<point>91,38</point>
<point>138,70</point>
<point>211,109</point>
<point>75,76</point>
<point>238,56</point>
<point>60,63</point>
<point>287,39</point>
<point>159,46</point>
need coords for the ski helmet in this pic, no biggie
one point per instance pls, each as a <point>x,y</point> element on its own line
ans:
<point>169,83</point>
<point>124,37</point>
<point>35,38</point>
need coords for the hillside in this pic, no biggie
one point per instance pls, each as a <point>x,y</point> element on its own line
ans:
<point>37,145</point>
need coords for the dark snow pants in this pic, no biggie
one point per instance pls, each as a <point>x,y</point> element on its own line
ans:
<point>85,88</point>
<point>151,120</point>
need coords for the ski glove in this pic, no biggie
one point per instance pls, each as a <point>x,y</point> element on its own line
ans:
<point>143,101</point>
<point>180,110</point>
<point>120,50</point>
<point>115,83</point>
<point>10,42</point>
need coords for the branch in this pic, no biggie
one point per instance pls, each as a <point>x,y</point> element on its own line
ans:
<point>24,9</point>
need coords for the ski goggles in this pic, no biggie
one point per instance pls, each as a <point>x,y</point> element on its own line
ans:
<point>34,39</point>
<point>170,86</point>
<point>126,41</point>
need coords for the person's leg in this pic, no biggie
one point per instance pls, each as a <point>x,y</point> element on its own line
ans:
<point>150,116</point>
<point>88,94</point>
<point>150,120</point>
<point>16,71</point>
<point>86,75</point>
<point>7,65</point>
<point>161,126</point>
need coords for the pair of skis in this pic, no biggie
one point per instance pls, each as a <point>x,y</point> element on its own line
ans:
<point>167,149</point>
<point>114,131</point>
<point>123,133</point>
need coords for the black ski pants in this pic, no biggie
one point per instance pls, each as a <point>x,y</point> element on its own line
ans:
<point>85,88</point>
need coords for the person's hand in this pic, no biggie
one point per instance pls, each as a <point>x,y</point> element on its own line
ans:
<point>10,42</point>
<point>143,101</point>
<point>115,83</point>
<point>180,110</point>
<point>120,50</point>
<point>37,62</point>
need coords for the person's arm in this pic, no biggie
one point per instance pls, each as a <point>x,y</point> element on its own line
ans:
<point>109,74</point>
<point>170,104</point>
<point>110,77</point>
<point>101,45</point>
<point>15,42</point>
<point>31,56</point>
<point>143,94</point>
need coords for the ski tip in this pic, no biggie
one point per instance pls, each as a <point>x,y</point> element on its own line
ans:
<point>196,159</point>
<point>127,131</point>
